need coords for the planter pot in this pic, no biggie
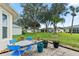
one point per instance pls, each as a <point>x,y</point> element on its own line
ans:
<point>45,43</point>
<point>20,38</point>
<point>40,47</point>
<point>56,44</point>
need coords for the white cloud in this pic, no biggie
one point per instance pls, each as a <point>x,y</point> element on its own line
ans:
<point>74,4</point>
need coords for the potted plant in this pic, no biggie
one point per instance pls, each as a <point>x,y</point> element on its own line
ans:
<point>45,42</point>
<point>20,38</point>
<point>56,43</point>
<point>38,38</point>
<point>40,47</point>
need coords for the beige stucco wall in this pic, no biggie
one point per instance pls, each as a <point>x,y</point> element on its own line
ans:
<point>0,24</point>
<point>4,42</point>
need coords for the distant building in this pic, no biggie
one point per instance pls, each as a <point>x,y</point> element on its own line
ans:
<point>29,30</point>
<point>48,30</point>
<point>59,29</point>
<point>75,29</point>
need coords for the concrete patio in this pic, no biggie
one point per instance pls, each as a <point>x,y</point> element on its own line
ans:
<point>50,51</point>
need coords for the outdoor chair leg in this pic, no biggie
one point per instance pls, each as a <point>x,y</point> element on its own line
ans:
<point>19,53</point>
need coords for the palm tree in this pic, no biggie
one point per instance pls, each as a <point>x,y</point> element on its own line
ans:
<point>55,21</point>
<point>73,12</point>
<point>62,22</point>
<point>56,10</point>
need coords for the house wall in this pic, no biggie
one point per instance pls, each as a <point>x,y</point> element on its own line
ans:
<point>5,41</point>
<point>75,30</point>
<point>17,31</point>
<point>0,24</point>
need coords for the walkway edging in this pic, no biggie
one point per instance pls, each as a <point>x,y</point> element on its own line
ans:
<point>64,46</point>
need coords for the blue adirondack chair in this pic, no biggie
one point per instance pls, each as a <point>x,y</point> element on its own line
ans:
<point>13,41</point>
<point>29,38</point>
<point>16,50</point>
<point>29,49</point>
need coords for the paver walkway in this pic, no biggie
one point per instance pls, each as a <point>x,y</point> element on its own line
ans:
<point>50,51</point>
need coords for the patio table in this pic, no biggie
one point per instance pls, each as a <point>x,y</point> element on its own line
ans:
<point>24,43</point>
<point>27,42</point>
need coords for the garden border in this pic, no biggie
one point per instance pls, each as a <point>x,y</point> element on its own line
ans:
<point>64,46</point>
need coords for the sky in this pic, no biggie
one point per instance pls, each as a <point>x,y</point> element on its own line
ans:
<point>68,18</point>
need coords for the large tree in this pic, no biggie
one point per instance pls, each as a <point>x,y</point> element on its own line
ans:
<point>29,16</point>
<point>44,16</point>
<point>56,10</point>
<point>21,21</point>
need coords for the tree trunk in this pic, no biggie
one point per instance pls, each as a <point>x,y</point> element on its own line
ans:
<point>23,32</point>
<point>72,25</point>
<point>34,27</point>
<point>46,28</point>
<point>54,28</point>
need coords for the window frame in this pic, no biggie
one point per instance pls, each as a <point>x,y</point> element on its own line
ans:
<point>4,27</point>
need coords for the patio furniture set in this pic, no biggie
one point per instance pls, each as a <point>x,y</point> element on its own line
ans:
<point>16,47</point>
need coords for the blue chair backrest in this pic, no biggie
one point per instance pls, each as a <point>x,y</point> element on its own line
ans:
<point>29,38</point>
<point>13,41</point>
<point>13,47</point>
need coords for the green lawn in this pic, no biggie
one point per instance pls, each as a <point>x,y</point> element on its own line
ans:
<point>65,38</point>
<point>72,40</point>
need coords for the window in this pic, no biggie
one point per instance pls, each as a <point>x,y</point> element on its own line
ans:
<point>4,20</point>
<point>4,17</point>
<point>4,32</point>
<point>4,25</point>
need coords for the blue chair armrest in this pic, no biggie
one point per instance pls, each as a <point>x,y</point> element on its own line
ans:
<point>13,47</point>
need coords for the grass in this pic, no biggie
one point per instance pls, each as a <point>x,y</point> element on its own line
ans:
<point>68,39</point>
<point>65,38</point>
<point>35,35</point>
